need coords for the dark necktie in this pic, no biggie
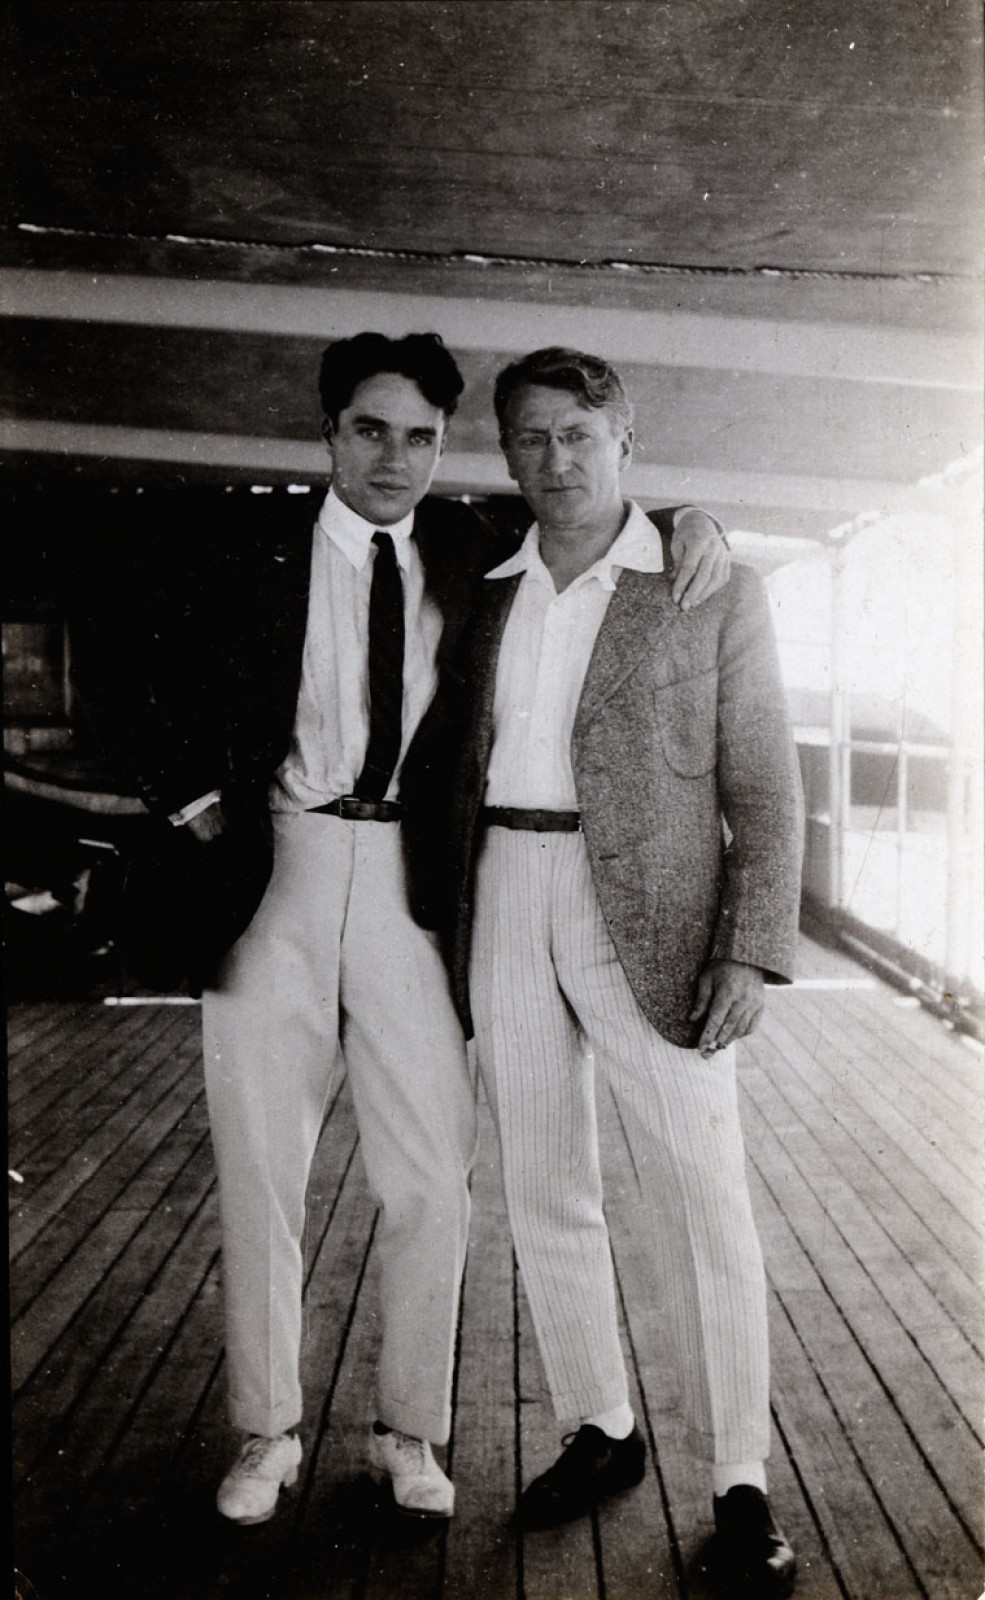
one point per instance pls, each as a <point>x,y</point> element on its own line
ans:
<point>386,672</point>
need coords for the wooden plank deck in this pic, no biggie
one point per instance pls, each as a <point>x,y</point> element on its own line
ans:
<point>863,1121</point>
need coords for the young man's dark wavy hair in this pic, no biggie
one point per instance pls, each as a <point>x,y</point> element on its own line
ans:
<point>422,357</point>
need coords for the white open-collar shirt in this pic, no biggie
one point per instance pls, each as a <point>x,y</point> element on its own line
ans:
<point>547,645</point>
<point>331,724</point>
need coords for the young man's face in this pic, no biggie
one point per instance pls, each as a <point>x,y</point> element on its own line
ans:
<point>385,448</point>
<point>566,457</point>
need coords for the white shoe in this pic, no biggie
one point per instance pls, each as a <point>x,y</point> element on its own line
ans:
<point>248,1492</point>
<point>419,1485</point>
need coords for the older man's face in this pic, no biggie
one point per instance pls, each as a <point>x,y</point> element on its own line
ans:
<point>567,458</point>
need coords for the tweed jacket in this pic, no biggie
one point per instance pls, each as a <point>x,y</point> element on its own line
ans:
<point>687,782</point>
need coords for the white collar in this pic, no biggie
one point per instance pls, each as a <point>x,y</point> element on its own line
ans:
<point>637,545</point>
<point>354,535</point>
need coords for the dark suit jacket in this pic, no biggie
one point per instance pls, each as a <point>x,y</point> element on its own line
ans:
<point>187,646</point>
<point>681,733</point>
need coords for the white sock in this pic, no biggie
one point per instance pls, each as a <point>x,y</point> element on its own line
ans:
<point>726,1474</point>
<point>617,1423</point>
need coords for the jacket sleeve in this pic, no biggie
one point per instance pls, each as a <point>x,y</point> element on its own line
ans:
<point>760,790</point>
<point>141,665</point>
<point>429,768</point>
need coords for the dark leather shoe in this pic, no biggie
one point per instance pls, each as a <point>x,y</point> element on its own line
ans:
<point>752,1556</point>
<point>590,1467</point>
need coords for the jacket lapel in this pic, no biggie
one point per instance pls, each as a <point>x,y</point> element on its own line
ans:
<point>495,603</point>
<point>637,614</point>
<point>434,559</point>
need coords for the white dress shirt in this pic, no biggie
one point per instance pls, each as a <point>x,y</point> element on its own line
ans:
<point>331,724</point>
<point>547,645</point>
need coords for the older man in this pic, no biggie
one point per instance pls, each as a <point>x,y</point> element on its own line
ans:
<point>629,839</point>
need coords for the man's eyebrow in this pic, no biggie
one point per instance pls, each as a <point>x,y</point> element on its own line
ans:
<point>364,418</point>
<point>569,427</point>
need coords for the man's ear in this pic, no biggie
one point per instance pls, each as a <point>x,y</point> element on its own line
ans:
<point>327,431</point>
<point>504,446</point>
<point>626,449</point>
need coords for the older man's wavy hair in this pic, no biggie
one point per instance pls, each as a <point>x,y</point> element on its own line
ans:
<point>594,381</point>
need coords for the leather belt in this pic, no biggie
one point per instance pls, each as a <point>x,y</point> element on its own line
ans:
<point>533,821</point>
<point>352,809</point>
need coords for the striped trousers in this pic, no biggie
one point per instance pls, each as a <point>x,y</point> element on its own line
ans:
<point>551,1003</point>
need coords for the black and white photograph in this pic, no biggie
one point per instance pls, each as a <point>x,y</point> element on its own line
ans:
<point>494,920</point>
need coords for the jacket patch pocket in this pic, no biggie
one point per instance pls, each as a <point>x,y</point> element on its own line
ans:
<point>687,721</point>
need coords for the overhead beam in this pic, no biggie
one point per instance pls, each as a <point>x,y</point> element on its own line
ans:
<point>829,350</point>
<point>461,471</point>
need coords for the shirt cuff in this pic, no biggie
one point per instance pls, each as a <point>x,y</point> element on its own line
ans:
<point>194,808</point>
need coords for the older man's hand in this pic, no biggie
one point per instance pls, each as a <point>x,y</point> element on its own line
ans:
<point>729,996</point>
<point>701,558</point>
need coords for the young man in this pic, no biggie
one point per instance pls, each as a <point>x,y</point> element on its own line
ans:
<point>613,740</point>
<point>280,736</point>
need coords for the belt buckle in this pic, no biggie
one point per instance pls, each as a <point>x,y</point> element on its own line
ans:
<point>354,809</point>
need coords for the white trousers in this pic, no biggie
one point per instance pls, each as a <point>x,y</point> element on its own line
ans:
<point>333,955</point>
<point>546,983</point>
